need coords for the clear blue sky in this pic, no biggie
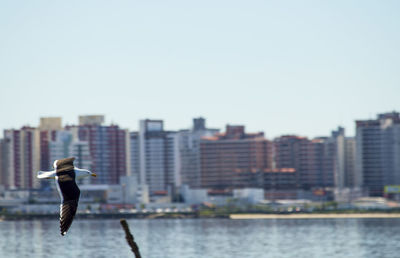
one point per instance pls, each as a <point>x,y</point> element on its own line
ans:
<point>282,67</point>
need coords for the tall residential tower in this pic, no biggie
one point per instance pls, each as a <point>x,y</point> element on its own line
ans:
<point>377,153</point>
<point>155,157</point>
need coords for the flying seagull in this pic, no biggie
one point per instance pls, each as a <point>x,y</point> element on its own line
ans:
<point>65,173</point>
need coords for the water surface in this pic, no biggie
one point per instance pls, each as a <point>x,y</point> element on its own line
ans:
<point>219,238</point>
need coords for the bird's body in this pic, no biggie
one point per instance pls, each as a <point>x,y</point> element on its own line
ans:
<point>65,174</point>
<point>69,194</point>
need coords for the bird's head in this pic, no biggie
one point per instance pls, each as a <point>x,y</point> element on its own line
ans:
<point>81,173</point>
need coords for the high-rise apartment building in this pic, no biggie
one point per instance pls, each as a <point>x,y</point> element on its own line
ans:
<point>377,153</point>
<point>226,154</point>
<point>134,155</point>
<point>155,157</point>
<point>2,176</point>
<point>292,151</point>
<point>21,158</point>
<point>48,128</point>
<point>344,159</point>
<point>108,148</point>
<point>313,160</point>
<point>350,162</point>
<point>338,139</point>
<point>323,151</point>
<point>189,149</point>
<point>287,150</point>
<point>67,144</point>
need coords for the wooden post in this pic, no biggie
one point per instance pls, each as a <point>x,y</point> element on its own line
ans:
<point>130,239</point>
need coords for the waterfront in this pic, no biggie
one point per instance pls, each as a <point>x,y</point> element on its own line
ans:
<point>189,238</point>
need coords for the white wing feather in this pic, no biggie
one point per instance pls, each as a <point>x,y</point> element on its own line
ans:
<point>46,174</point>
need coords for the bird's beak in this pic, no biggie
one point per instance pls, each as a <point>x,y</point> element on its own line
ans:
<point>93,175</point>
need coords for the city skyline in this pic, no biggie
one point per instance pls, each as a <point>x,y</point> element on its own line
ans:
<point>163,161</point>
<point>106,121</point>
<point>280,67</point>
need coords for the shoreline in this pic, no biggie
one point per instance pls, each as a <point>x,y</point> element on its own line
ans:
<point>242,216</point>
<point>84,216</point>
<point>316,216</point>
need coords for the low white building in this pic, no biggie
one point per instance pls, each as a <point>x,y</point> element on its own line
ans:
<point>347,194</point>
<point>198,196</point>
<point>127,192</point>
<point>133,192</point>
<point>250,195</point>
<point>193,196</point>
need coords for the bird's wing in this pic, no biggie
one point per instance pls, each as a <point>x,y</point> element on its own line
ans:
<point>67,213</point>
<point>46,174</point>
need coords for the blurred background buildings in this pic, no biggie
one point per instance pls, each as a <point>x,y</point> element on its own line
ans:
<point>199,164</point>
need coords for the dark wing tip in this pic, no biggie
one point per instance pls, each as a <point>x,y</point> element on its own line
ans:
<point>67,213</point>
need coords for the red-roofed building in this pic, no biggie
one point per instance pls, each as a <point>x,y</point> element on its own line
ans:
<point>222,155</point>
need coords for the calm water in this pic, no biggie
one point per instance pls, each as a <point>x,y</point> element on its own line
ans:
<point>205,238</point>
